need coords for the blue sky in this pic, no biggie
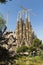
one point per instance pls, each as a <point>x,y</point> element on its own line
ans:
<point>14,6</point>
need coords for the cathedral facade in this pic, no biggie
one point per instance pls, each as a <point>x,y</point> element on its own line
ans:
<point>24,31</point>
<point>23,34</point>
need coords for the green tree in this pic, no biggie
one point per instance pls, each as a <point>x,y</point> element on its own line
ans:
<point>2,22</point>
<point>33,50</point>
<point>3,26</point>
<point>36,42</point>
<point>41,46</point>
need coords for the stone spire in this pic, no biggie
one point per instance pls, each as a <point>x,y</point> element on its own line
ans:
<point>21,26</point>
<point>17,29</point>
<point>27,27</point>
<point>24,31</point>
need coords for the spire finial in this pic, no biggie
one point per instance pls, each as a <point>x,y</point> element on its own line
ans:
<point>28,18</point>
<point>17,18</point>
<point>20,14</point>
<point>26,14</point>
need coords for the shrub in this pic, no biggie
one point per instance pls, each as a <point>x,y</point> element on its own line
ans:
<point>22,49</point>
<point>33,50</point>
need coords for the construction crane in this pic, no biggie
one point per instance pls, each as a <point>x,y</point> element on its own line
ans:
<point>27,11</point>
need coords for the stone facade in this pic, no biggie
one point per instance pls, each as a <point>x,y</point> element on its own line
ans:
<point>24,32</point>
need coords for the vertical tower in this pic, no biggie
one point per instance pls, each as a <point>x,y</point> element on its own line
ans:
<point>17,30</point>
<point>30,33</point>
<point>17,33</point>
<point>21,27</point>
<point>27,26</point>
<point>24,30</point>
<point>28,29</point>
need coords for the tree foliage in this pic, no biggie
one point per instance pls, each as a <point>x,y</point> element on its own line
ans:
<point>4,1</point>
<point>2,23</point>
<point>33,50</point>
<point>41,46</point>
<point>3,26</point>
<point>36,42</point>
<point>22,49</point>
<point>4,54</point>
